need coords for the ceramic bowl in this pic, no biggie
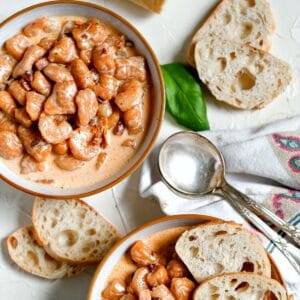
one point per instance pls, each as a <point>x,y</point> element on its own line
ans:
<point>105,268</point>
<point>15,23</point>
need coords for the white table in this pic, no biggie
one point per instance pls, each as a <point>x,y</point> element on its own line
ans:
<point>169,34</point>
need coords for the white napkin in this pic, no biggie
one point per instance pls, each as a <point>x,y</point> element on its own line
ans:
<point>262,162</point>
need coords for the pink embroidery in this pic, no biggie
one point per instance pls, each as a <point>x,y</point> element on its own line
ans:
<point>293,196</point>
<point>289,144</point>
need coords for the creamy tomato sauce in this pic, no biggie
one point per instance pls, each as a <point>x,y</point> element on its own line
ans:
<point>117,155</point>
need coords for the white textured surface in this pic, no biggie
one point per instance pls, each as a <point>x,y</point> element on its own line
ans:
<point>168,34</point>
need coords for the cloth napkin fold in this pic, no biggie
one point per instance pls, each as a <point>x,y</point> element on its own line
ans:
<point>262,162</point>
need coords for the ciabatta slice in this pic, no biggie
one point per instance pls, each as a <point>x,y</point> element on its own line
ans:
<point>240,286</point>
<point>221,247</point>
<point>239,75</point>
<point>32,258</point>
<point>72,231</point>
<point>249,22</point>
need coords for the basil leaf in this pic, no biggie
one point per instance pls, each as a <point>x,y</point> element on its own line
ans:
<point>185,101</point>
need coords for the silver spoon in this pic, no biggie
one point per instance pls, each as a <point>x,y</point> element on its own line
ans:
<point>191,165</point>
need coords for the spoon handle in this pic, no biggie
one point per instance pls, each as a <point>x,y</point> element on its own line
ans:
<point>273,236</point>
<point>290,230</point>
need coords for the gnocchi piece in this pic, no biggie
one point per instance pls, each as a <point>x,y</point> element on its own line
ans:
<point>87,106</point>
<point>158,276</point>
<point>34,104</point>
<point>31,55</point>
<point>33,143</point>
<point>142,255</point>
<point>7,123</point>
<point>7,103</point>
<point>103,61</point>
<point>30,165</point>
<point>161,292</point>
<point>107,87</point>
<point>131,67</point>
<point>90,34</point>
<point>10,145</point>
<point>22,117</point>
<point>61,148</point>
<point>177,269</point>
<point>82,143</point>
<point>61,101</point>
<point>40,25</point>
<point>46,43</point>
<point>7,64</point>
<point>130,94</point>
<point>133,119</point>
<point>81,73</point>
<point>115,290</point>
<point>68,162</point>
<point>17,91</point>
<point>17,45</point>
<point>139,281</point>
<point>54,129</point>
<point>105,110</point>
<point>40,83</point>
<point>182,288</point>
<point>58,73</point>
<point>63,51</point>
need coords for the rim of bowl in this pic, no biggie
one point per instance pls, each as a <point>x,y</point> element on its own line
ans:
<point>162,95</point>
<point>156,221</point>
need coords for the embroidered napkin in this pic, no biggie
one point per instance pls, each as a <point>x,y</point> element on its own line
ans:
<point>262,162</point>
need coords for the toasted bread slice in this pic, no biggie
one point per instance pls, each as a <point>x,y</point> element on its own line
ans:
<point>240,286</point>
<point>153,5</point>
<point>249,22</point>
<point>72,231</point>
<point>221,247</point>
<point>241,76</point>
<point>32,258</point>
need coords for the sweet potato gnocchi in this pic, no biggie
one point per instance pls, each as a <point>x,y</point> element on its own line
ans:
<point>71,89</point>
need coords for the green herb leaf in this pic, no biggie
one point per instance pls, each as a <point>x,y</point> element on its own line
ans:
<point>185,101</point>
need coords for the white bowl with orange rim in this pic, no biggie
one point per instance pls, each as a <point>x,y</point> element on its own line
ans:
<point>80,186</point>
<point>160,233</point>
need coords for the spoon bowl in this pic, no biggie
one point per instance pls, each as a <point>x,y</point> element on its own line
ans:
<point>190,164</point>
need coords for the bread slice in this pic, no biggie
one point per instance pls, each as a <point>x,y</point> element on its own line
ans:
<point>240,286</point>
<point>72,231</point>
<point>221,247</point>
<point>248,22</point>
<point>32,258</point>
<point>153,5</point>
<point>239,75</point>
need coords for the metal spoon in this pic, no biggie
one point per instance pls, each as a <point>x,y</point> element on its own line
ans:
<point>191,165</point>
